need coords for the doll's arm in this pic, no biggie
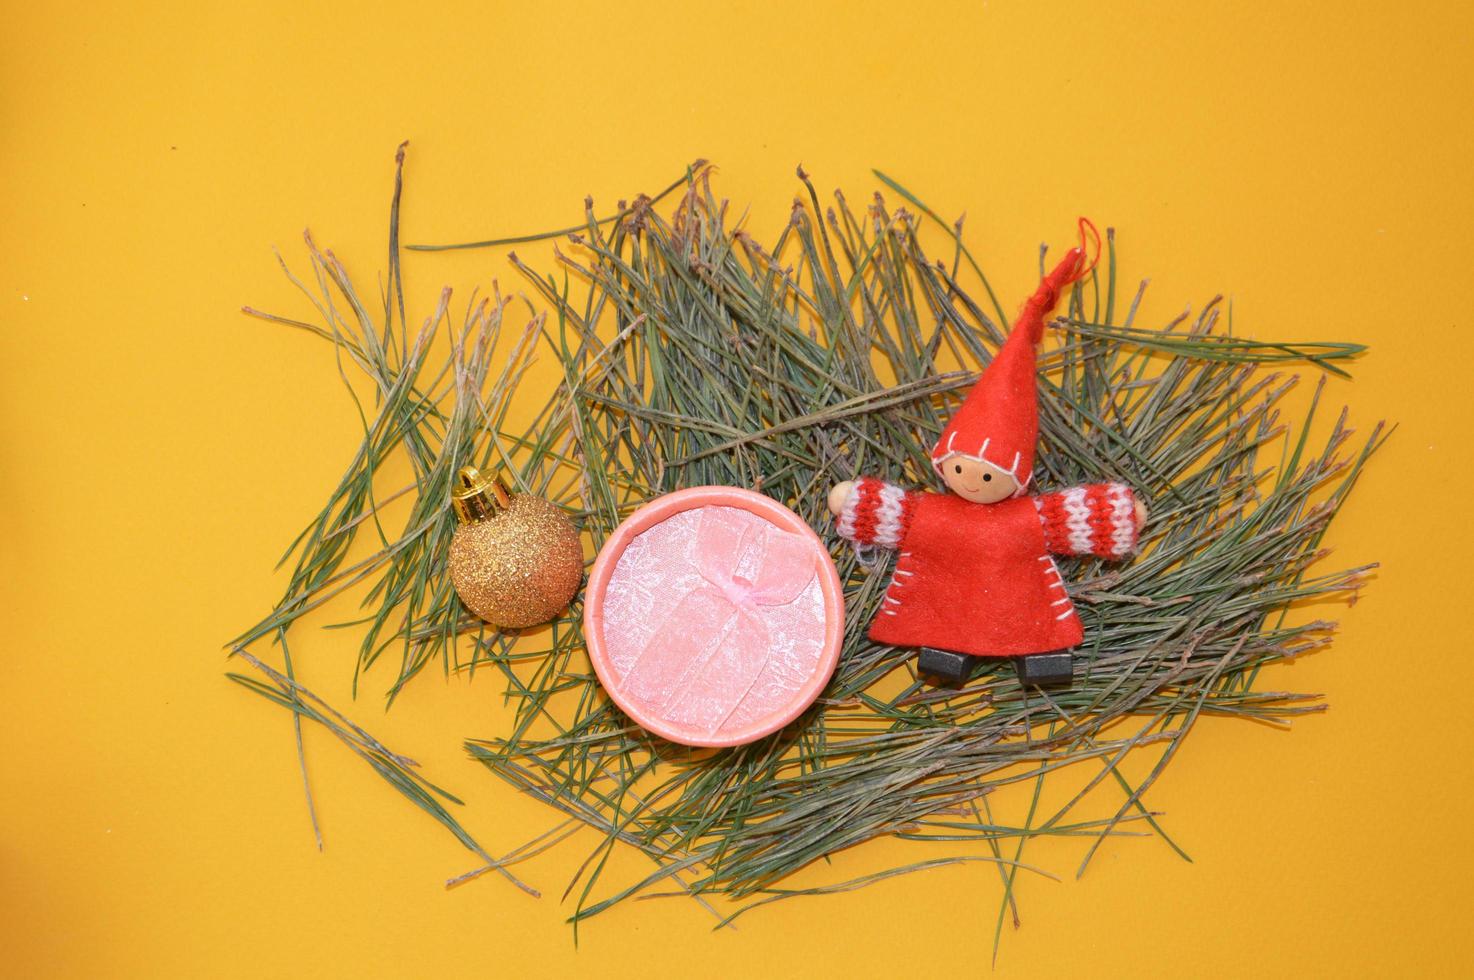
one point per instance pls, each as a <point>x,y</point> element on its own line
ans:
<point>871,512</point>
<point>1101,519</point>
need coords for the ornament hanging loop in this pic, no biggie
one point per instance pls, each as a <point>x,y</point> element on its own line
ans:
<point>1076,265</point>
<point>1089,235</point>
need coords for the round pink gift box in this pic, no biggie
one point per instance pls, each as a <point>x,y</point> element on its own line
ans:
<point>713,616</point>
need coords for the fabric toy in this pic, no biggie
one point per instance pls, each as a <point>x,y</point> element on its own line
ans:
<point>975,575</point>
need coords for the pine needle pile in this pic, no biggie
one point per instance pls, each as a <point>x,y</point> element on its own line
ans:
<point>439,413</point>
<point>692,354</point>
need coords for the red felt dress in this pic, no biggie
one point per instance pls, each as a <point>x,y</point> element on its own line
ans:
<point>979,578</point>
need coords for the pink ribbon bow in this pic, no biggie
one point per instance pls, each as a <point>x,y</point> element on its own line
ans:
<point>704,659</point>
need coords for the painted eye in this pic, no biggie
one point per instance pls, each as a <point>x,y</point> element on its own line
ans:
<point>959,467</point>
<point>987,477</point>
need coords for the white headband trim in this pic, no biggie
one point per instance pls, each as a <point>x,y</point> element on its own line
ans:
<point>948,452</point>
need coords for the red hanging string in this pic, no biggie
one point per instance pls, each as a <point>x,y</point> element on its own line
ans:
<point>1083,249</point>
<point>1071,269</point>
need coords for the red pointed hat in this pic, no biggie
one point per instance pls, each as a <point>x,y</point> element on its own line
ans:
<point>998,422</point>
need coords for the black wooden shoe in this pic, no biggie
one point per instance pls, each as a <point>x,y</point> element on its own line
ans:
<point>945,666</point>
<point>1055,669</point>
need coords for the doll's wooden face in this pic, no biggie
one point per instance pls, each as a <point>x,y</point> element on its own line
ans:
<point>977,481</point>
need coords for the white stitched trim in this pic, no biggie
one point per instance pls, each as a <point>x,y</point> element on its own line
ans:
<point>889,612</point>
<point>1077,520</point>
<point>977,457</point>
<point>1053,569</point>
<point>1043,557</point>
<point>1066,613</point>
<point>891,598</point>
<point>1060,602</point>
<point>943,453</point>
<point>900,572</point>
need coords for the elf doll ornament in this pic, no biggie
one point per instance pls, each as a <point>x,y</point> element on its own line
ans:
<point>975,576</point>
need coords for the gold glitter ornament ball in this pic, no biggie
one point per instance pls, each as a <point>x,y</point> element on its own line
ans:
<point>515,559</point>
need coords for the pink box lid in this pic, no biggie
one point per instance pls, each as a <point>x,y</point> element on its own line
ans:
<point>713,616</point>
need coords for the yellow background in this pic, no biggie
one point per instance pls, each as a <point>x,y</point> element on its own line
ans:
<point>157,449</point>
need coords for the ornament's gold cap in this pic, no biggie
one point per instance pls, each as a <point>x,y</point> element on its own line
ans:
<point>476,498</point>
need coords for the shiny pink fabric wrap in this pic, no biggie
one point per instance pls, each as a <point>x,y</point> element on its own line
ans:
<point>713,618</point>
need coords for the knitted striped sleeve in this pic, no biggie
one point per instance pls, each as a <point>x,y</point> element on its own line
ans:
<point>876,513</point>
<point>1098,519</point>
